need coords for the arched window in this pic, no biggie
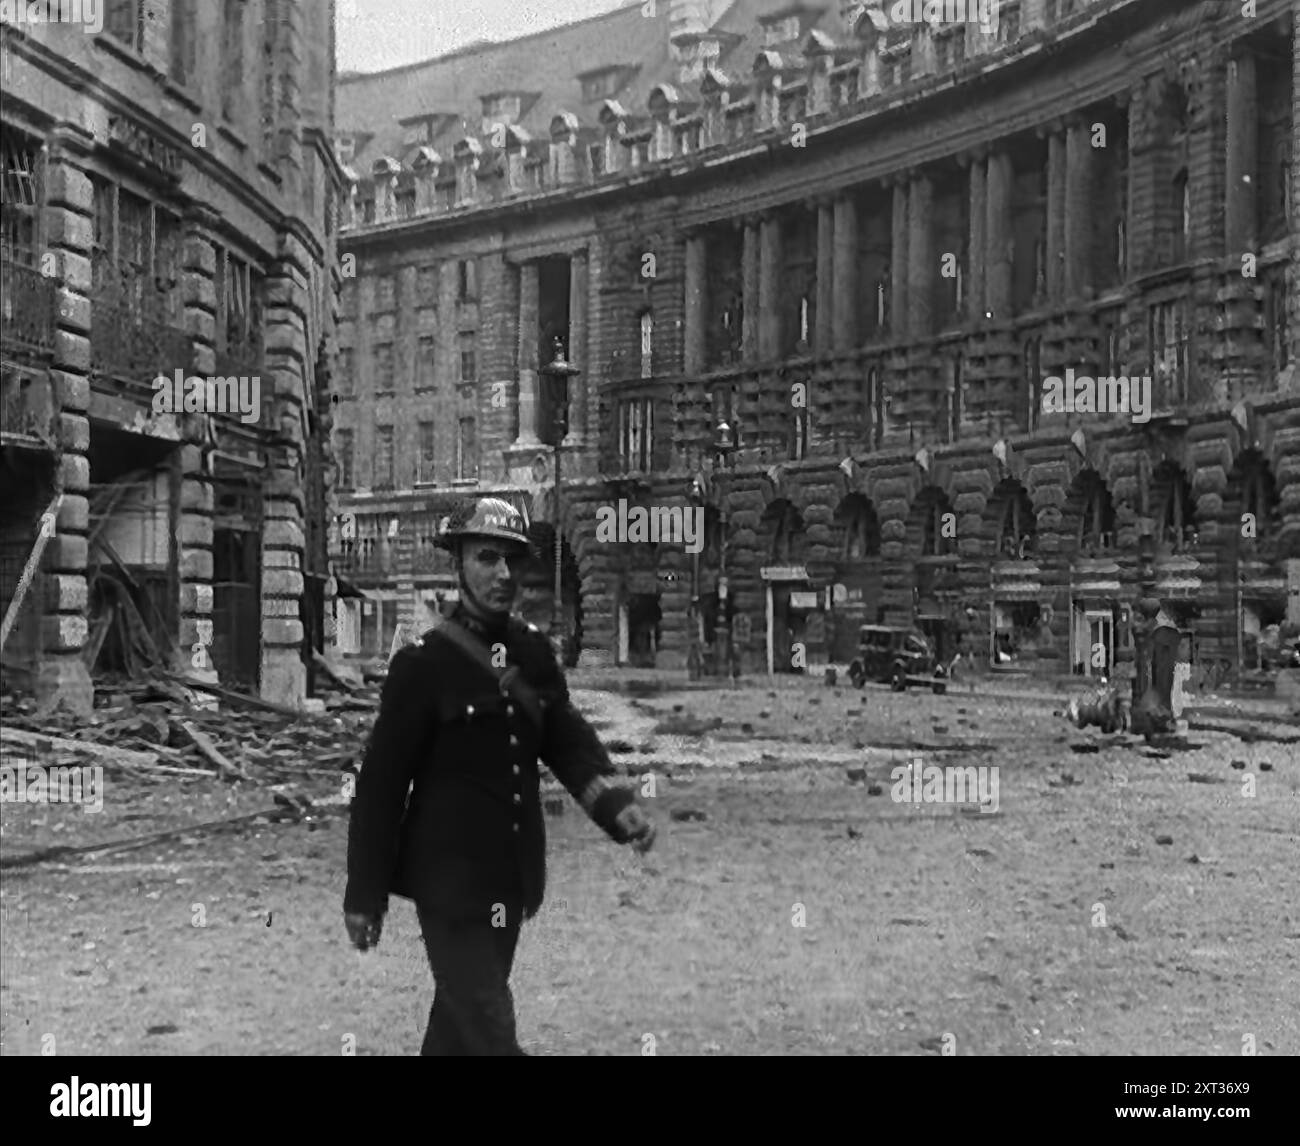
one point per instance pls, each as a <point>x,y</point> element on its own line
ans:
<point>647,344</point>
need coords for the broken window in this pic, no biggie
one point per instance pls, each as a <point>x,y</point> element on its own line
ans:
<point>466,449</point>
<point>636,424</point>
<point>1019,524</point>
<point>1171,353</point>
<point>232,78</point>
<point>647,344</point>
<point>124,21</point>
<point>724,297</point>
<point>1097,520</point>
<point>936,540</point>
<point>240,309</point>
<point>798,296</point>
<point>20,198</point>
<point>427,451</point>
<point>344,455</point>
<point>1277,304</point>
<point>1178,532</point>
<point>425,362</point>
<point>1032,381</point>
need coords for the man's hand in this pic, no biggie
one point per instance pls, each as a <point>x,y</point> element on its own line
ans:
<point>637,828</point>
<point>364,930</point>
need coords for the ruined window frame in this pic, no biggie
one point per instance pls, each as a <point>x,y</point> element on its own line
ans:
<point>22,197</point>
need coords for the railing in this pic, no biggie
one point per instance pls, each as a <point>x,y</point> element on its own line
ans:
<point>27,304</point>
<point>128,344</point>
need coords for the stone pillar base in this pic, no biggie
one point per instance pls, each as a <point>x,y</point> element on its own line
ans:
<point>284,676</point>
<point>65,683</point>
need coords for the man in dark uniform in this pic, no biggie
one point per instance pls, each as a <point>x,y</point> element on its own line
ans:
<point>465,715</point>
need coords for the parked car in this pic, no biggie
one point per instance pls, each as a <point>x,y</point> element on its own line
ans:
<point>897,655</point>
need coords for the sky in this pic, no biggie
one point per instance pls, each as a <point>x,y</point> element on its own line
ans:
<point>377,34</point>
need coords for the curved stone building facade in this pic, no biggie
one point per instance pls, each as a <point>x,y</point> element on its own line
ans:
<point>170,192</point>
<point>1003,314</point>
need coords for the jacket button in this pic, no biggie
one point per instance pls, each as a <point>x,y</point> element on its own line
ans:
<point>510,710</point>
<point>469,710</point>
<point>518,798</point>
<point>516,769</point>
<point>514,741</point>
<point>516,827</point>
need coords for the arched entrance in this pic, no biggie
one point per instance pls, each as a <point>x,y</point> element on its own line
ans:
<point>857,585</point>
<point>1097,612</point>
<point>1252,524</point>
<point>791,600</point>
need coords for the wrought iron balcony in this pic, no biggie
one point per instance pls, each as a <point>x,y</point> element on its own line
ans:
<point>135,345</point>
<point>27,305</point>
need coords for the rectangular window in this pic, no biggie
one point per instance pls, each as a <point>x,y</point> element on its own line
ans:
<point>1032,382</point>
<point>426,462</point>
<point>136,254</point>
<point>20,199</point>
<point>467,280</point>
<point>383,478</point>
<point>425,362</point>
<point>272,18</point>
<point>232,77</point>
<point>1276,321</point>
<point>466,450</point>
<point>406,203</point>
<point>1171,357</point>
<point>596,157</point>
<point>426,285</point>
<point>647,345</point>
<point>240,302</point>
<point>345,457</point>
<point>636,434</point>
<point>182,62</point>
<point>124,21</point>
<point>468,366</point>
<point>385,293</point>
<point>799,435</point>
<point>345,376</point>
<point>383,366</point>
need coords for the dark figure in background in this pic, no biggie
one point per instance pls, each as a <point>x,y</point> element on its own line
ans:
<point>465,716</point>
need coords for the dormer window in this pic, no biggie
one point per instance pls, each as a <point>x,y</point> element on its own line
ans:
<point>781,31</point>
<point>601,85</point>
<point>418,130</point>
<point>502,108</point>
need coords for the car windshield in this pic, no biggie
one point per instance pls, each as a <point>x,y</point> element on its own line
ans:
<point>916,644</point>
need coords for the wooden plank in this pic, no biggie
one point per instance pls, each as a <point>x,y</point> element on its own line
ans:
<point>106,753</point>
<point>204,744</point>
<point>29,570</point>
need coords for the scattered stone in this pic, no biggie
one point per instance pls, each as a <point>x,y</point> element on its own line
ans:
<point>686,815</point>
<point>1109,866</point>
<point>554,805</point>
<point>856,775</point>
<point>1205,778</point>
<point>163,1029</point>
<point>1164,841</point>
<point>765,713</point>
<point>1239,764</point>
<point>1124,934</point>
<point>874,789</point>
<point>746,727</point>
<point>1084,748</point>
<point>983,853</point>
<point>1265,766</point>
<point>1194,858</point>
<point>618,747</point>
<point>854,834</point>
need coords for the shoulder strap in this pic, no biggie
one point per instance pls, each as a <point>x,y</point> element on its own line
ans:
<point>510,678</point>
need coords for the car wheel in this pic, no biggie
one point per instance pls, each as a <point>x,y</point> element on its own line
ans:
<point>898,682</point>
<point>940,687</point>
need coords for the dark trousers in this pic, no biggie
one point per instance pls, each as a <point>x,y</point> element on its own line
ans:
<point>473,1012</point>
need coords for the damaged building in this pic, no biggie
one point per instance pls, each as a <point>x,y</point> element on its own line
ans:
<point>821,267</point>
<point>169,286</point>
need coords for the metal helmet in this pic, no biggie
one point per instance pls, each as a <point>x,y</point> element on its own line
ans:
<point>484,517</point>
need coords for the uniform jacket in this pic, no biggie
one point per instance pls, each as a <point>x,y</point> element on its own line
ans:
<point>471,834</point>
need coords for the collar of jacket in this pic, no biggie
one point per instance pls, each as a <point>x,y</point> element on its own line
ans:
<point>487,630</point>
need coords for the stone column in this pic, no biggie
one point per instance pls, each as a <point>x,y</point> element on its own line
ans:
<point>771,336</point>
<point>1056,196</point>
<point>978,235</point>
<point>696,305</point>
<point>529,296</point>
<point>284,675</point>
<point>577,349</point>
<point>997,291</point>
<point>750,278</point>
<point>1295,200</point>
<point>920,259</point>
<point>1079,210</point>
<point>63,680</point>
<point>845,270</point>
<point>898,261</point>
<point>194,529</point>
<point>1241,223</point>
<point>822,327</point>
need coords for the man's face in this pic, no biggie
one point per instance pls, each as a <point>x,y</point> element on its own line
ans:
<point>491,570</point>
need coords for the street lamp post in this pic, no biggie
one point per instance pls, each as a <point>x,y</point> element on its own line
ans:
<point>557,373</point>
<point>724,445</point>
<point>693,658</point>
